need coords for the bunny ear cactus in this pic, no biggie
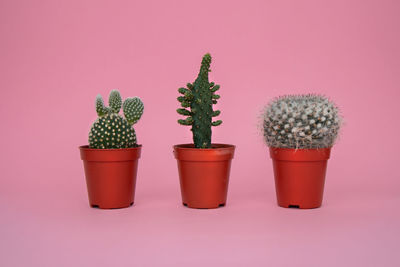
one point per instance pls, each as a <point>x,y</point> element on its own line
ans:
<point>110,130</point>
<point>301,122</point>
<point>197,103</point>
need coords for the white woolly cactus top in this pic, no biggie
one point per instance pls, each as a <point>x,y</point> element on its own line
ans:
<point>301,122</point>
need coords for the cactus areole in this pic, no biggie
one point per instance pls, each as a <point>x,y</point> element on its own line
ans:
<point>197,102</point>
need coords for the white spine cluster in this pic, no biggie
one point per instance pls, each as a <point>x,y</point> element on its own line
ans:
<point>302,122</point>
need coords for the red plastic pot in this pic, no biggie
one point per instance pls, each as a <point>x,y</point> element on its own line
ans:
<point>299,176</point>
<point>110,176</point>
<point>204,174</point>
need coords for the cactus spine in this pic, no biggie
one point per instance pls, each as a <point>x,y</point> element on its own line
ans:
<point>200,97</point>
<point>110,130</point>
<point>301,122</point>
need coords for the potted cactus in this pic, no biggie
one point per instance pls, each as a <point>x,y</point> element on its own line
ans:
<point>111,158</point>
<point>203,166</point>
<point>300,131</point>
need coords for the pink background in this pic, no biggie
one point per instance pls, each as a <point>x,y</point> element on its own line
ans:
<point>56,56</point>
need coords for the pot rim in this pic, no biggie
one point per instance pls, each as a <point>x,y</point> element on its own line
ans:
<point>217,146</point>
<point>301,149</point>
<point>110,155</point>
<point>220,152</point>
<point>293,154</point>
<point>86,148</point>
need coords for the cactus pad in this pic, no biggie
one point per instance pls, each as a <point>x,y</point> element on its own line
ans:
<point>110,130</point>
<point>133,109</point>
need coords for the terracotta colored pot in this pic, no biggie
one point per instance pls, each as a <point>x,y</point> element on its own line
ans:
<point>299,176</point>
<point>204,174</point>
<point>110,176</point>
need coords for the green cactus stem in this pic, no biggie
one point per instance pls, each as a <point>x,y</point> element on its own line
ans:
<point>199,97</point>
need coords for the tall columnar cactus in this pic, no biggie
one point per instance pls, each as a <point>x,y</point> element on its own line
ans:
<point>111,130</point>
<point>199,97</point>
<point>301,121</point>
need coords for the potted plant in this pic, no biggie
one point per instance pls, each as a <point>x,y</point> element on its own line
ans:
<point>203,167</point>
<point>300,131</point>
<point>111,158</point>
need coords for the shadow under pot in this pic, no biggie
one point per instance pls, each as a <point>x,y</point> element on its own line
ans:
<point>110,176</point>
<point>299,176</point>
<point>204,174</point>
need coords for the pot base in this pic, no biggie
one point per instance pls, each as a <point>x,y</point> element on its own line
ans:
<point>203,208</point>
<point>108,208</point>
<point>301,207</point>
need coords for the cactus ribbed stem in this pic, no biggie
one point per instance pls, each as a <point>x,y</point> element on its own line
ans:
<point>200,97</point>
<point>302,122</point>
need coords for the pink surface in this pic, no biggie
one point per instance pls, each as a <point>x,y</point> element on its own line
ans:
<point>56,56</point>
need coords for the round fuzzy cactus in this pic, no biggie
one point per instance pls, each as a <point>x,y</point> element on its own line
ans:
<point>301,122</point>
<point>111,130</point>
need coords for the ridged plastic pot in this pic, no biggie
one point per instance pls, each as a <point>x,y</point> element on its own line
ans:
<point>204,174</point>
<point>299,176</point>
<point>110,176</point>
